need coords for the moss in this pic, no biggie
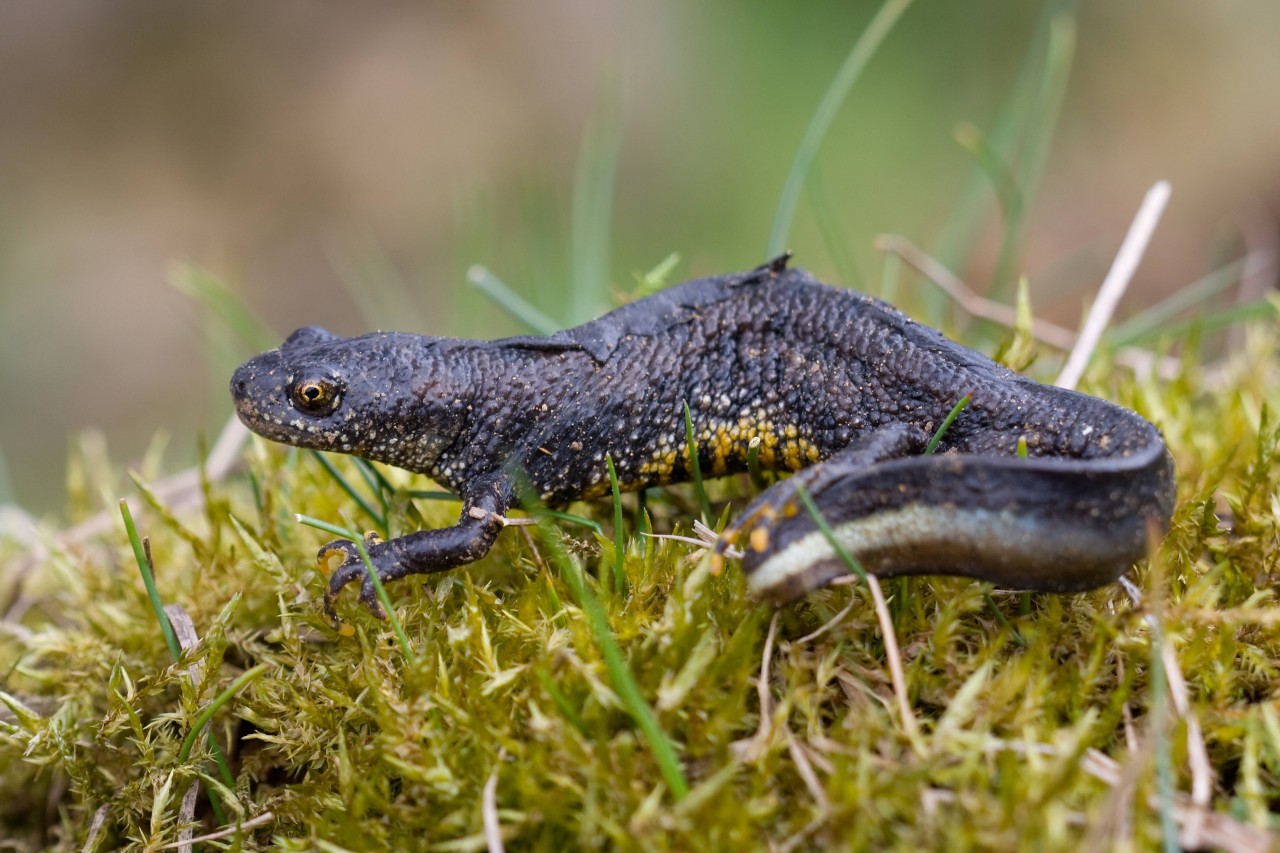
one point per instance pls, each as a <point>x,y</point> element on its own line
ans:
<point>347,743</point>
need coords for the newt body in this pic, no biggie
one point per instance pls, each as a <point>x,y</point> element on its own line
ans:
<point>831,381</point>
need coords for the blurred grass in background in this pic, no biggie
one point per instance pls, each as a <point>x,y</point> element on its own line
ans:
<point>347,169</point>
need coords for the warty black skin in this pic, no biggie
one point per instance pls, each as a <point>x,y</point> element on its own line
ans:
<point>832,381</point>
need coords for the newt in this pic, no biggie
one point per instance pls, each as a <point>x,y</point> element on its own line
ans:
<point>838,386</point>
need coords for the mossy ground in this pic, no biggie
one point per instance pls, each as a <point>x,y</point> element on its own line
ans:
<point>1034,721</point>
<point>350,745</point>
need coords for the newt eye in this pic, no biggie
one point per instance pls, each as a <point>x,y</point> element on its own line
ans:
<point>316,395</point>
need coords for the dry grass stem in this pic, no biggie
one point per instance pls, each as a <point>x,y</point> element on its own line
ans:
<point>1197,753</point>
<point>1058,337</point>
<point>228,832</point>
<point>832,622</point>
<point>1142,362</point>
<point>1116,282</point>
<point>894,658</point>
<point>492,827</point>
<point>807,774</point>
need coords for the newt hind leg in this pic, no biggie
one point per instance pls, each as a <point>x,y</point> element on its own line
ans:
<point>781,501</point>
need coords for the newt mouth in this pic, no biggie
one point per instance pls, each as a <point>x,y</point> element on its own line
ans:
<point>256,393</point>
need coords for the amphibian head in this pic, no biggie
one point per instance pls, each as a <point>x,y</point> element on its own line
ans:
<point>384,396</point>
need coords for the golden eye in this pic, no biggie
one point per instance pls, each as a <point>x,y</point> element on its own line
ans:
<point>317,396</point>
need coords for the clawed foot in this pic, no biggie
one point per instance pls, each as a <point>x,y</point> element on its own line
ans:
<point>351,568</point>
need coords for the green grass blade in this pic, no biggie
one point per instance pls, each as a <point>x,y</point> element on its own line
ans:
<point>221,699</point>
<point>511,302</point>
<point>851,562</point>
<point>1163,746</point>
<point>560,515</point>
<point>562,702</point>
<point>695,468</point>
<point>657,278</point>
<point>230,331</point>
<point>381,591</point>
<point>863,49</point>
<point>377,484</point>
<point>143,558</point>
<point>832,234</point>
<point>1012,120</point>
<point>946,424</point>
<point>1042,123</point>
<point>351,491</point>
<point>374,285</point>
<point>225,306</point>
<point>664,751</point>
<point>890,273</point>
<point>593,189</point>
<point>642,526</point>
<point>142,554</point>
<point>1004,623</point>
<point>1192,296</point>
<point>619,535</point>
<point>1213,321</point>
<point>1047,107</point>
<point>432,495</point>
<point>1012,208</point>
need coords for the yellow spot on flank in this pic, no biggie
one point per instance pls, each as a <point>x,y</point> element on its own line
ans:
<point>791,455</point>
<point>660,466</point>
<point>599,490</point>
<point>725,444</point>
<point>759,539</point>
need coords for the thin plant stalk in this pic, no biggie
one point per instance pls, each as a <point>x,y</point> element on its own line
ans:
<point>351,491</point>
<point>863,49</point>
<point>149,581</point>
<point>381,591</point>
<point>619,535</point>
<point>664,751</point>
<point>516,306</point>
<point>946,424</point>
<point>695,467</point>
<point>221,699</point>
<point>892,654</point>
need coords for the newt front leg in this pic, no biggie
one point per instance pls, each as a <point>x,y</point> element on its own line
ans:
<point>425,551</point>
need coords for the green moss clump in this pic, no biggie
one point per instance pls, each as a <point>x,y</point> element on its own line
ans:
<point>1022,701</point>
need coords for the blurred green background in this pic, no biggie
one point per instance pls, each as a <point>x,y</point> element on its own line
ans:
<point>302,151</point>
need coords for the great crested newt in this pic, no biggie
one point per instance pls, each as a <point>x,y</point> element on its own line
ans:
<point>838,386</point>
